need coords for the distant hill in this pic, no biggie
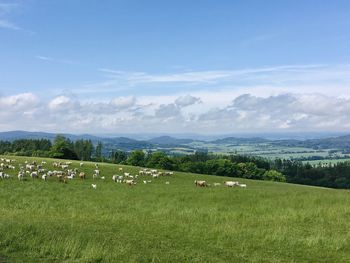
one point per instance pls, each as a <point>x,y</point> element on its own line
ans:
<point>167,140</point>
<point>340,142</point>
<point>15,135</point>
<point>234,140</point>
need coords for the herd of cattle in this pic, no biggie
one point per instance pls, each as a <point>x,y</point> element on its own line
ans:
<point>64,172</point>
<point>226,183</point>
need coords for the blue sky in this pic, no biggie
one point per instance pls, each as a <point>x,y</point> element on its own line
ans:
<point>136,66</point>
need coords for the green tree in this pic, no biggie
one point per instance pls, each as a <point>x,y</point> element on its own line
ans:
<point>160,160</point>
<point>119,156</point>
<point>63,148</point>
<point>273,175</point>
<point>98,151</point>
<point>136,158</point>
<point>83,149</point>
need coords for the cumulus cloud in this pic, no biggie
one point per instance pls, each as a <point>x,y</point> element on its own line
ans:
<point>284,111</point>
<point>61,103</point>
<point>184,113</point>
<point>124,102</point>
<point>19,102</point>
<point>187,100</point>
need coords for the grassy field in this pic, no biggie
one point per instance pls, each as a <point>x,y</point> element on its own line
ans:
<point>266,150</point>
<point>177,222</point>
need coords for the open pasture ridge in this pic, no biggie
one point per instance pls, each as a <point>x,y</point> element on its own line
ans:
<point>166,219</point>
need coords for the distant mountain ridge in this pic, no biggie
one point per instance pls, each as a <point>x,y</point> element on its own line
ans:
<point>168,140</point>
<point>340,142</point>
<point>235,140</point>
<point>125,143</point>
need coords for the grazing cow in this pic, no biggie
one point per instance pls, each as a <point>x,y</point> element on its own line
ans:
<point>64,166</point>
<point>129,182</point>
<point>30,167</point>
<point>44,177</point>
<point>4,176</point>
<point>20,176</point>
<point>34,175</point>
<point>231,183</point>
<point>201,183</point>
<point>94,186</point>
<point>82,175</point>
<point>81,164</point>
<point>117,178</point>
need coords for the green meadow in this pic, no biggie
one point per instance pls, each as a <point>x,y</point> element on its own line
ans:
<point>49,221</point>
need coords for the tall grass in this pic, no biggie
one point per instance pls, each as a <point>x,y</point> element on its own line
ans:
<point>266,222</point>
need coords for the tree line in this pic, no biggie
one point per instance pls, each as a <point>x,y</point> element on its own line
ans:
<point>61,147</point>
<point>292,171</point>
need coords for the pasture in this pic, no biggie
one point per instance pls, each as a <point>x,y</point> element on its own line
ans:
<point>49,221</point>
<point>327,162</point>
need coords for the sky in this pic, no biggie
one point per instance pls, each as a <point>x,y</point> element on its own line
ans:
<point>207,67</point>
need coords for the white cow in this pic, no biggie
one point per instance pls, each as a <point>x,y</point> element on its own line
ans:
<point>34,175</point>
<point>20,176</point>
<point>231,183</point>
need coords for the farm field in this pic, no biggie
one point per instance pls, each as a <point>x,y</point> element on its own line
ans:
<point>176,222</point>
<point>266,150</point>
<point>327,161</point>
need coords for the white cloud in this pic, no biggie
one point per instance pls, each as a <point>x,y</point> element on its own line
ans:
<point>244,113</point>
<point>265,81</point>
<point>187,100</point>
<point>8,25</point>
<point>124,102</point>
<point>55,60</point>
<point>5,10</point>
<point>62,103</point>
<point>19,102</point>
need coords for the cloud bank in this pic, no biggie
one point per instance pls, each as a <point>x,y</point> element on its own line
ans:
<point>185,113</point>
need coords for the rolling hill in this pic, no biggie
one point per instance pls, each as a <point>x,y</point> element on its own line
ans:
<point>48,221</point>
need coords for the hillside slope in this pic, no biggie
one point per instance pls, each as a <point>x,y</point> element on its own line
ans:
<point>176,222</point>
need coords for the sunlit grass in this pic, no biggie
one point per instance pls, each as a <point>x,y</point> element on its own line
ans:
<point>266,222</point>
